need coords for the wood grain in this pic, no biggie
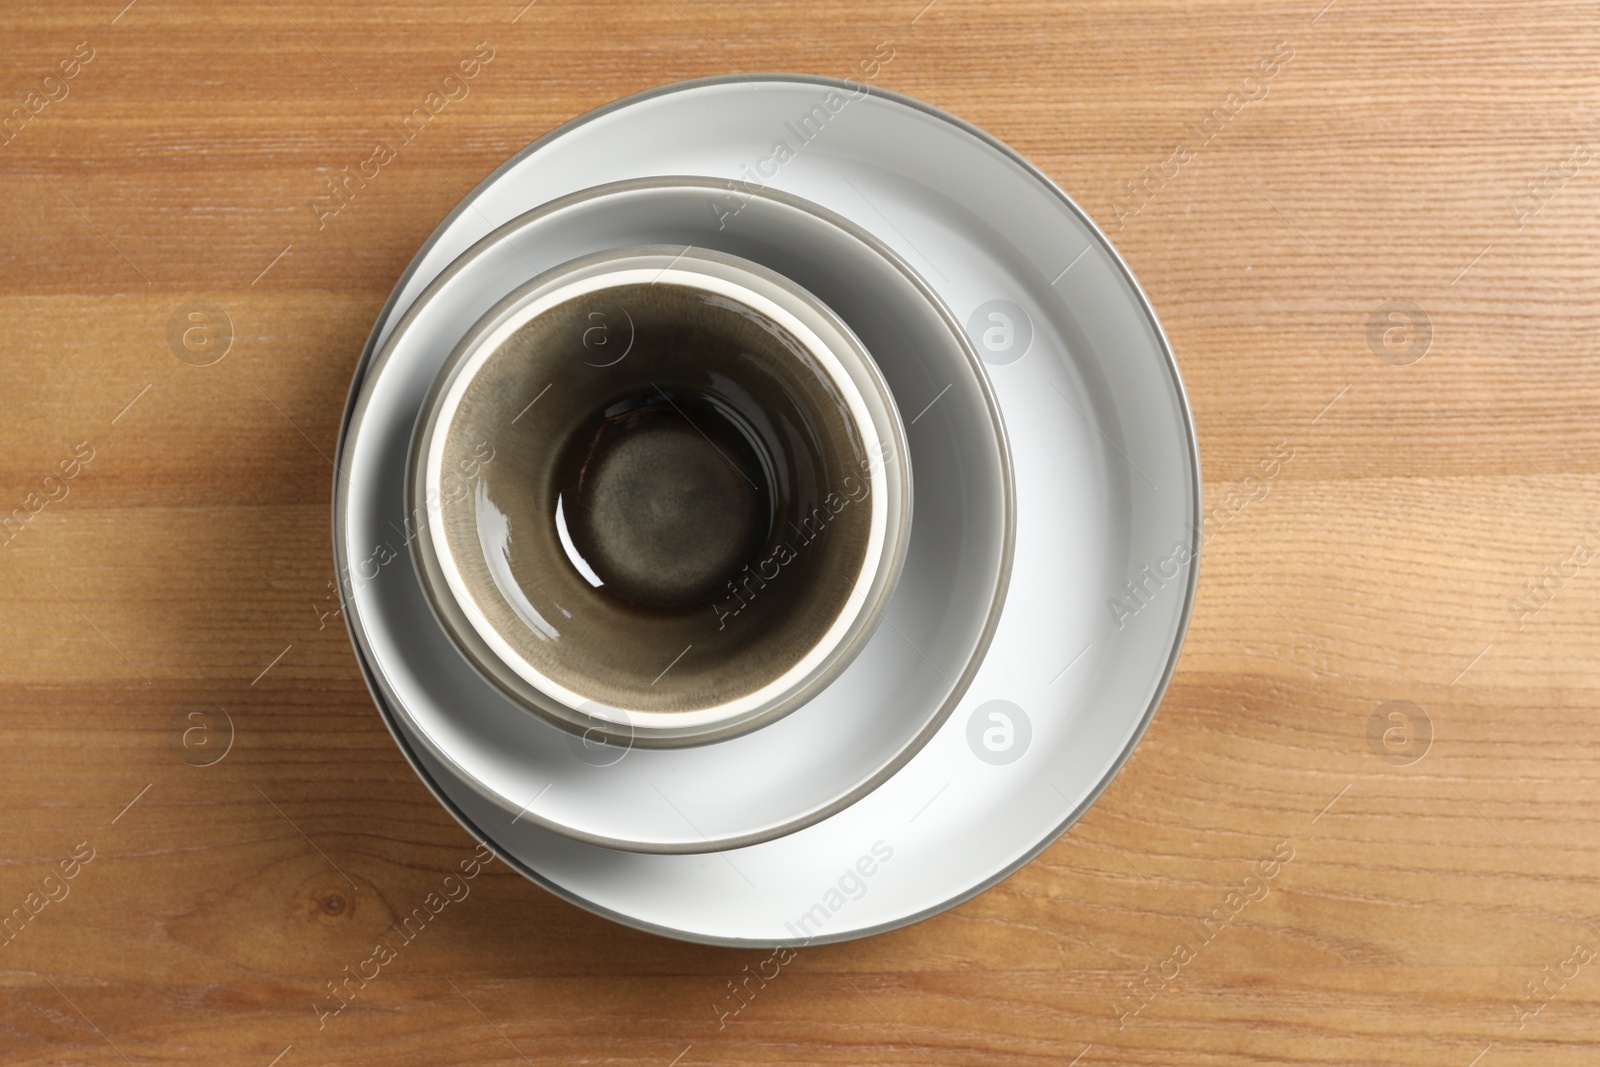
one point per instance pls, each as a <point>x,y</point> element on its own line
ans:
<point>1379,564</point>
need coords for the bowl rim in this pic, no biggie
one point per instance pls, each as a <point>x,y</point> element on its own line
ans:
<point>875,416</point>
<point>375,357</point>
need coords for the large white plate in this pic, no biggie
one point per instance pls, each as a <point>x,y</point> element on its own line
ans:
<point>1107,497</point>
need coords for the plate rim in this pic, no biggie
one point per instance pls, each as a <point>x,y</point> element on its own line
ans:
<point>1196,519</point>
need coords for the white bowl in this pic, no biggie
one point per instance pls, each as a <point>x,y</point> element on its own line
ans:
<point>851,736</point>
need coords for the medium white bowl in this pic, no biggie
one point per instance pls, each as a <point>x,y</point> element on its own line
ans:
<point>849,737</point>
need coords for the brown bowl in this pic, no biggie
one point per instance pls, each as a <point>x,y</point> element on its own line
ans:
<point>666,495</point>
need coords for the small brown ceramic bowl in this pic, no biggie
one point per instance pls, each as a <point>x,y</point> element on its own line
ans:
<point>666,495</point>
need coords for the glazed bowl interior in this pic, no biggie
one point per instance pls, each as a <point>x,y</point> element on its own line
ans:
<point>667,494</point>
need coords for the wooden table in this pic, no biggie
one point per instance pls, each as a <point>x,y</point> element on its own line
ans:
<point>1380,260</point>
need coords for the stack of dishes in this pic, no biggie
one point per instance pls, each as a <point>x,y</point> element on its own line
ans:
<point>767,511</point>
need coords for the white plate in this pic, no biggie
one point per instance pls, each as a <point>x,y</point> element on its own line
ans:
<point>1107,488</point>
<point>845,740</point>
